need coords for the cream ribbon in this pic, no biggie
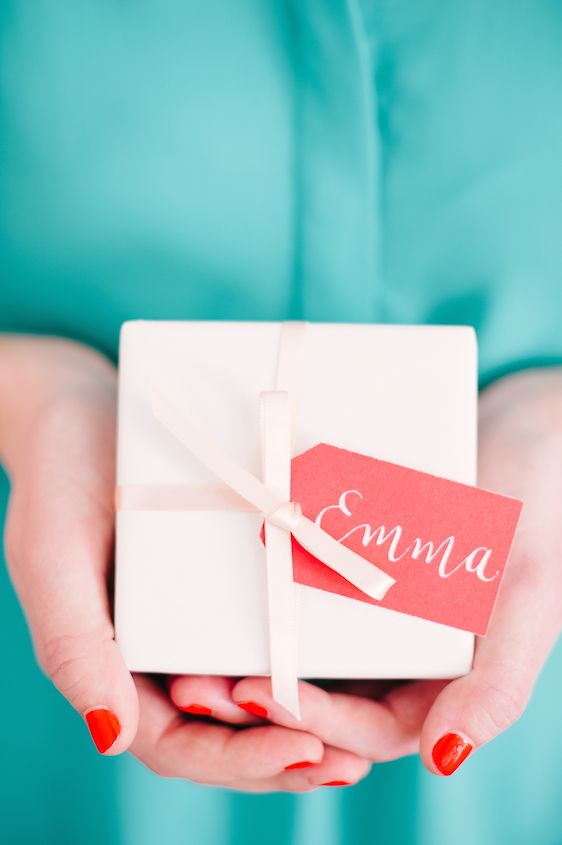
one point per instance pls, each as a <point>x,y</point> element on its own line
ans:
<point>283,517</point>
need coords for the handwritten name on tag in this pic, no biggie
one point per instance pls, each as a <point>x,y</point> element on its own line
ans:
<point>446,543</point>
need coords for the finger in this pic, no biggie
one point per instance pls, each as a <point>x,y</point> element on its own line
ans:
<point>59,551</point>
<point>376,730</point>
<point>208,695</point>
<point>474,709</point>
<point>338,768</point>
<point>214,754</point>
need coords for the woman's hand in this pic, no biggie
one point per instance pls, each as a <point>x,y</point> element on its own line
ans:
<point>57,441</point>
<point>520,455</point>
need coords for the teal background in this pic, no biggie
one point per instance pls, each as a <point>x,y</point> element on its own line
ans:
<point>326,160</point>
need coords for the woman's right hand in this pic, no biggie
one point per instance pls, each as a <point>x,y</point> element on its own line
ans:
<point>520,455</point>
<point>57,442</point>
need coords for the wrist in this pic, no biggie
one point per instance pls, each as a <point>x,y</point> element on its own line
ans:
<point>38,375</point>
<point>529,401</point>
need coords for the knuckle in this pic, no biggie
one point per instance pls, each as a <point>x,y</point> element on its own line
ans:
<point>69,659</point>
<point>505,704</point>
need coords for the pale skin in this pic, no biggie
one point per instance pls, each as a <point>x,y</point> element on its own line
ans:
<point>57,442</point>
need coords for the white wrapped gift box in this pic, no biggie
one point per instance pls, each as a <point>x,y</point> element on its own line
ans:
<point>191,591</point>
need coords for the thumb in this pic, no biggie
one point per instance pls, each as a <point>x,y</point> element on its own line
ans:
<point>87,668</point>
<point>474,709</point>
<point>58,540</point>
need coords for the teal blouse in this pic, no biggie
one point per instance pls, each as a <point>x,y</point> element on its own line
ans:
<point>345,160</point>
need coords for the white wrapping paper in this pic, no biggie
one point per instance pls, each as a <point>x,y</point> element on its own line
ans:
<point>191,593</point>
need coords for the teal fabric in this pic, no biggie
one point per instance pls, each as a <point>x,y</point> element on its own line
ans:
<point>327,160</point>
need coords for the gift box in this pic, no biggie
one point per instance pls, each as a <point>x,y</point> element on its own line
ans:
<point>191,576</point>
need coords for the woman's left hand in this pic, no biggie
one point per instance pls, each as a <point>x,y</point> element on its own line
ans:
<point>57,441</point>
<point>520,455</point>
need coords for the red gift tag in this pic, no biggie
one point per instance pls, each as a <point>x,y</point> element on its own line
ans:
<point>445,543</point>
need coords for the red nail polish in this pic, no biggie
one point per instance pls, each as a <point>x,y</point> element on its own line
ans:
<point>104,727</point>
<point>449,752</point>
<point>253,708</point>
<point>336,783</point>
<point>302,765</point>
<point>196,710</point>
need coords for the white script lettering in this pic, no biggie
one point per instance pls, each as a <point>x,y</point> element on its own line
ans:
<point>427,551</point>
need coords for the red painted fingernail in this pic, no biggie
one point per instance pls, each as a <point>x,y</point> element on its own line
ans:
<point>302,765</point>
<point>196,709</point>
<point>253,708</point>
<point>336,783</point>
<point>104,727</point>
<point>449,752</point>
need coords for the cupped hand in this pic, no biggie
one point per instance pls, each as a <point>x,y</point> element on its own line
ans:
<point>520,454</point>
<point>57,441</point>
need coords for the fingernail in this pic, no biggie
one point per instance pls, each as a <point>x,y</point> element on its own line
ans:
<point>302,765</point>
<point>104,727</point>
<point>336,783</point>
<point>449,752</point>
<point>196,709</point>
<point>253,708</point>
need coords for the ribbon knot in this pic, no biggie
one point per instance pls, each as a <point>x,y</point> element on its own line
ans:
<point>287,516</point>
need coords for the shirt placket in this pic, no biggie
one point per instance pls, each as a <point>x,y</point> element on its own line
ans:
<point>337,176</point>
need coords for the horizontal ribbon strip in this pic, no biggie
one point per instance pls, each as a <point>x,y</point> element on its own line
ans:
<point>179,497</point>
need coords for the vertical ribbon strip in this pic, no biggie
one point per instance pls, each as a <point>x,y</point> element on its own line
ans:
<point>281,589</point>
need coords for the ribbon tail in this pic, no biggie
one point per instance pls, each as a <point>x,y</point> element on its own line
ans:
<point>282,619</point>
<point>281,589</point>
<point>361,573</point>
